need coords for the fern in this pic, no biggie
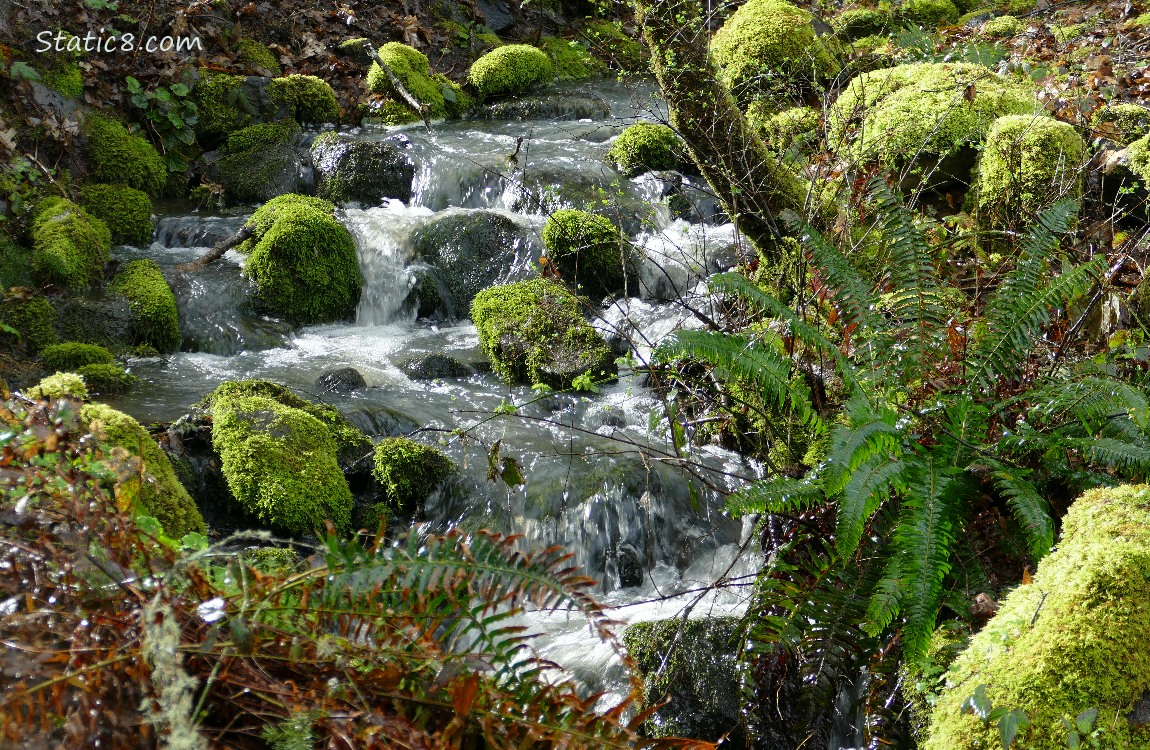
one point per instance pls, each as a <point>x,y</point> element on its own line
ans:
<point>1029,507</point>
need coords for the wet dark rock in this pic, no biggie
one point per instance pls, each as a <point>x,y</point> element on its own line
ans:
<point>107,321</point>
<point>428,295</point>
<point>341,380</point>
<point>1112,184</point>
<point>630,566</point>
<point>1139,716</point>
<point>435,367</point>
<point>498,15</point>
<point>255,176</point>
<point>381,421</point>
<point>365,171</point>
<point>544,107</point>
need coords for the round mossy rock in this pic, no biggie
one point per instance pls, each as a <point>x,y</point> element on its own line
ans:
<point>71,355</point>
<point>310,100</point>
<point>70,247</point>
<point>1003,27</point>
<point>646,147</point>
<point>512,69</point>
<point>1138,158</point>
<point>409,471</point>
<point>117,156</point>
<point>126,211</point>
<point>590,254</point>
<point>1127,122</point>
<point>858,23</point>
<point>257,58</point>
<point>153,305</point>
<point>412,69</point>
<point>259,163</point>
<point>60,385</point>
<point>106,379</point>
<point>369,172</point>
<point>929,14</point>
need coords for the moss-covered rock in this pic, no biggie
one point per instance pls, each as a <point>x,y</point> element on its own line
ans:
<point>571,59</point>
<point>509,70</point>
<point>220,99</point>
<point>65,78</point>
<point>768,49</point>
<point>69,246</point>
<point>15,263</point>
<point>259,162</point>
<point>533,332</point>
<point>302,260</point>
<point>922,110</point>
<point>646,147</point>
<point>622,51</point>
<point>261,136</point>
<point>409,471</point>
<point>590,254</point>
<point>693,665</point>
<point>280,462</point>
<point>126,211</point>
<point>1028,163</point>
<point>153,305</point>
<point>1074,639</point>
<point>308,99</point>
<point>1129,121</point>
<point>391,113</point>
<point>34,317</point>
<point>348,169</point>
<point>859,23</point>
<point>781,130</point>
<point>1138,158</point>
<point>71,355</point>
<point>106,379</point>
<point>156,488</point>
<point>60,385</point>
<point>413,70</point>
<point>257,58</point>
<point>1003,27</point>
<point>117,156</point>
<point>929,14</point>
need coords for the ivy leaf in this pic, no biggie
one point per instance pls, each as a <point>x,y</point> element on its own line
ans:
<point>1086,719</point>
<point>134,86</point>
<point>1011,723</point>
<point>179,89</point>
<point>449,94</point>
<point>512,473</point>
<point>978,703</point>
<point>22,71</point>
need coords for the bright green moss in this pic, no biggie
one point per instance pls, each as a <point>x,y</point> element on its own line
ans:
<point>920,109</point>
<point>302,260</point>
<point>1067,33</point>
<point>222,106</point>
<point>65,78</point>
<point>645,146</point>
<point>509,70</point>
<point>1002,27</point>
<point>257,57</point>
<point>858,23</point>
<point>571,59</point>
<point>1074,639</point>
<point>69,246</point>
<point>157,320</point>
<point>412,69</point>
<point>533,332</point>
<point>106,379</point>
<point>590,253</point>
<point>156,488</point>
<point>280,463</point>
<point>621,51</point>
<point>780,130</point>
<point>60,385</point>
<point>768,49</point>
<point>261,136</point>
<point>1028,163</point>
<point>126,211</point>
<point>1142,20</point>
<point>1132,121</point>
<point>34,318</point>
<point>117,156</point>
<point>391,112</point>
<point>929,14</point>
<point>1138,158</point>
<point>309,99</point>
<point>456,101</point>
<point>409,471</point>
<point>67,357</point>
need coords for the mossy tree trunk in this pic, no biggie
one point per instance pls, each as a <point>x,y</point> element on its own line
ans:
<point>753,186</point>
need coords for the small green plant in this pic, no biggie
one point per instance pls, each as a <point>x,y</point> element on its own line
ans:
<point>1010,721</point>
<point>1081,732</point>
<point>170,115</point>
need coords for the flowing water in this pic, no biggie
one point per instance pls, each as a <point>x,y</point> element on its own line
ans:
<point>598,479</point>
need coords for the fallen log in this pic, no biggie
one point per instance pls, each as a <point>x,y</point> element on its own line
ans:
<point>217,250</point>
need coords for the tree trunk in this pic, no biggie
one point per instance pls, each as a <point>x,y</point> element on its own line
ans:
<point>749,180</point>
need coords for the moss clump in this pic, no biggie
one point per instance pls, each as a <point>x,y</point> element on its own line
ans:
<point>65,78</point>
<point>156,488</point>
<point>280,462</point>
<point>257,58</point>
<point>106,379</point>
<point>60,385</point>
<point>456,101</point>
<point>1028,163</point>
<point>117,156</point>
<point>391,112</point>
<point>412,69</point>
<point>571,59</point>
<point>270,559</point>
<point>126,211</point>
<point>302,260</point>
<point>1002,27</point>
<point>69,246</point>
<point>1072,640</point>
<point>590,253</point>
<point>1138,158</point>
<point>768,49</point>
<point>620,50</point>
<point>67,357</point>
<point>1132,121</point>
<point>222,106</point>
<point>890,115</point>
<point>533,332</point>
<point>783,129</point>
<point>644,147</point>
<point>260,163</point>
<point>1065,34</point>
<point>307,98</point>
<point>512,69</point>
<point>409,471</point>
<point>261,136</point>
<point>34,318</point>
<point>157,321</point>
<point>859,23</point>
<point>15,263</point>
<point>930,14</point>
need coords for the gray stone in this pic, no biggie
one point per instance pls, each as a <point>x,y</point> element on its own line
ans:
<point>347,169</point>
<point>434,367</point>
<point>255,176</point>
<point>341,380</point>
<point>497,14</point>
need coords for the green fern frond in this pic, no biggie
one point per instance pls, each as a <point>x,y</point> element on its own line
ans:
<point>853,293</point>
<point>1029,507</point>
<point>777,494</point>
<point>1130,458</point>
<point>883,606</point>
<point>870,484</point>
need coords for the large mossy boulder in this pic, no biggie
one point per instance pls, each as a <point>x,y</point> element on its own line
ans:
<point>156,488</point>
<point>441,96</point>
<point>368,172</point>
<point>33,317</point>
<point>646,147</point>
<point>690,671</point>
<point>1075,639</point>
<point>70,247</point>
<point>106,379</point>
<point>1028,163</point>
<point>409,471</point>
<point>257,163</point>
<point>281,456</point>
<point>510,70</point>
<point>858,23</point>
<point>60,385</point>
<point>1123,123</point>
<point>228,103</point>
<point>534,332</point>
<point>571,59</point>
<point>69,356</point>
<point>767,49</point>
<point>126,211</point>
<point>310,100</point>
<point>591,255</point>
<point>470,250</point>
<point>156,320</point>
<point>302,261</point>
<point>117,156</point>
<point>926,112</point>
